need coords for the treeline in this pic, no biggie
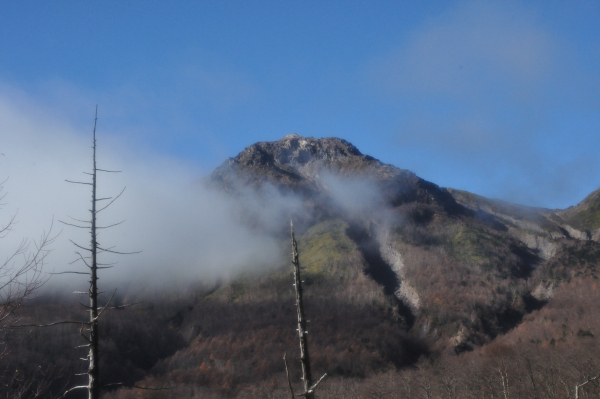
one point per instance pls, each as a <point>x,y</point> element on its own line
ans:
<point>227,340</point>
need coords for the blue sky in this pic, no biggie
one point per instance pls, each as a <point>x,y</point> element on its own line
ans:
<point>498,98</point>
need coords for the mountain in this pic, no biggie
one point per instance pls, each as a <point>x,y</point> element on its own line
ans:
<point>461,268</point>
<point>411,289</point>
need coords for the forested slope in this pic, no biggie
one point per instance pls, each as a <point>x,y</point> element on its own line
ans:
<point>412,290</point>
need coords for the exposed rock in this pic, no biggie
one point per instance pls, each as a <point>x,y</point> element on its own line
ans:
<point>580,235</point>
<point>300,164</point>
<point>405,292</point>
<point>408,295</point>
<point>538,228</point>
<point>543,291</point>
<point>541,244</point>
<point>596,235</point>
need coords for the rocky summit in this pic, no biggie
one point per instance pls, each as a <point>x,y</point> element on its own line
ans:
<point>299,164</point>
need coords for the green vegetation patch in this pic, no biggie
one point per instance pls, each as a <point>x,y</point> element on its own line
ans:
<point>478,248</point>
<point>324,244</point>
<point>586,215</point>
<point>588,219</point>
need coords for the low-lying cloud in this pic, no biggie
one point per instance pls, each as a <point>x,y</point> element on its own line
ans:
<point>185,231</point>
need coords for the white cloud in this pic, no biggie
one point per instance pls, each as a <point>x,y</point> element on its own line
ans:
<point>185,232</point>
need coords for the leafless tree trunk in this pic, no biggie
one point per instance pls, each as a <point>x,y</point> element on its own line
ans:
<point>94,389</point>
<point>531,377</point>
<point>309,387</point>
<point>503,371</point>
<point>92,264</point>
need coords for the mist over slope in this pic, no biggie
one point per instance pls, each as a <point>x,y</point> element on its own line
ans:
<point>458,266</point>
<point>402,278</point>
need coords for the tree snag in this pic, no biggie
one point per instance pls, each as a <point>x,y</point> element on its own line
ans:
<point>91,262</point>
<point>308,385</point>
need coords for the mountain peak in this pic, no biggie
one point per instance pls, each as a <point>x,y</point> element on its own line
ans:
<point>291,136</point>
<point>295,150</point>
<point>299,164</point>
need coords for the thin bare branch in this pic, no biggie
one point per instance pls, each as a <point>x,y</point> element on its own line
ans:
<point>68,272</point>
<point>75,388</point>
<point>79,246</point>
<point>105,306</point>
<point>79,220</point>
<point>82,258</point>
<point>119,253</point>
<point>78,182</point>
<point>312,389</point>
<point>48,325</point>
<point>107,264</point>
<point>287,373</point>
<point>113,200</point>
<point>122,384</point>
<point>73,225</point>
<point>112,225</point>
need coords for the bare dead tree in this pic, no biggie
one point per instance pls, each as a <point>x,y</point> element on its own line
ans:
<point>21,270</point>
<point>16,384</point>
<point>89,330</point>
<point>309,387</point>
<point>21,276</point>
<point>582,384</point>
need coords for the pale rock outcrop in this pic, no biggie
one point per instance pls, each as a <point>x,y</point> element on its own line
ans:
<point>580,235</point>
<point>544,291</point>
<point>405,292</point>
<point>596,235</point>
<point>543,245</point>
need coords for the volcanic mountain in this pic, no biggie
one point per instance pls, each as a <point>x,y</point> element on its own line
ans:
<point>411,289</point>
<point>458,268</point>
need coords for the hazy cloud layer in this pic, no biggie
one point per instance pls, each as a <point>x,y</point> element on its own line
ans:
<point>355,197</point>
<point>185,232</point>
<point>482,88</point>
